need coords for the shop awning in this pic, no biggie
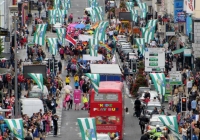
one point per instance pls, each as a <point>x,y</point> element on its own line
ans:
<point>178,51</point>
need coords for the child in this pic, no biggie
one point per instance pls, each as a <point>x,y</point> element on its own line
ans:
<point>85,102</point>
<point>67,80</point>
<point>76,84</point>
<point>66,100</point>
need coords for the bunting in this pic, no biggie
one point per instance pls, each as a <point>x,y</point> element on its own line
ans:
<point>38,78</point>
<point>95,80</point>
<point>159,82</point>
<point>53,44</point>
<point>39,35</point>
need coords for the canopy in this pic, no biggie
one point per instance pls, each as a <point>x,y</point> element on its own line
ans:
<point>80,26</point>
<point>178,51</point>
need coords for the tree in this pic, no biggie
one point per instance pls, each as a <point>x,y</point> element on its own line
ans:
<point>140,79</point>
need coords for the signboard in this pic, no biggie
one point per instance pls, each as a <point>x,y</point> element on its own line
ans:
<point>170,33</point>
<point>190,6</point>
<point>175,78</point>
<point>125,16</point>
<point>155,60</point>
<point>179,16</point>
<point>4,32</point>
<point>187,52</point>
<point>106,97</point>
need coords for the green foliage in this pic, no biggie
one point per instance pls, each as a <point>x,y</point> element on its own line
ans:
<point>140,79</point>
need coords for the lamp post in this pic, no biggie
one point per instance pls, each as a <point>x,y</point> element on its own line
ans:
<point>16,91</point>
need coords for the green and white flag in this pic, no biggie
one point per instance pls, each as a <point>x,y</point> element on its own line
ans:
<point>134,14</point>
<point>95,80</point>
<point>93,46</point>
<point>38,78</point>
<point>68,2</point>
<point>138,1</point>
<point>152,23</point>
<point>148,33</point>
<point>61,33</point>
<point>92,15</point>
<point>129,5</point>
<point>141,45</point>
<point>99,13</point>
<point>101,31</point>
<point>52,16</point>
<point>56,4</point>
<point>16,127</point>
<point>88,128</point>
<point>143,7</point>
<point>61,15</point>
<point>92,3</point>
<point>53,44</point>
<point>39,35</point>
<point>171,123</point>
<point>159,82</point>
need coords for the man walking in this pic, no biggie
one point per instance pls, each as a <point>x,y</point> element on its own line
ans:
<point>55,125</point>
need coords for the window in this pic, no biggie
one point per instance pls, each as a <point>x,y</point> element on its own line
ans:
<point>106,97</point>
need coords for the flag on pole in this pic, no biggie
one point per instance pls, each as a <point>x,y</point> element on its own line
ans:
<point>129,5</point>
<point>68,4</point>
<point>92,15</point>
<point>159,82</point>
<point>171,123</point>
<point>143,7</point>
<point>93,47</point>
<point>16,127</point>
<point>95,79</point>
<point>61,15</point>
<point>61,33</point>
<point>152,23</point>
<point>52,16</point>
<point>70,39</point>
<point>148,33</point>
<point>141,45</point>
<point>56,4</point>
<point>134,14</point>
<point>38,78</point>
<point>53,44</point>
<point>102,30</point>
<point>99,13</point>
<point>88,128</point>
<point>39,35</point>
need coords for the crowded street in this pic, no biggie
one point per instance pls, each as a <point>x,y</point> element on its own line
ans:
<point>99,70</point>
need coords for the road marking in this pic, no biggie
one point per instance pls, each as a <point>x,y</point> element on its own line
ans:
<point>67,123</point>
<point>132,102</point>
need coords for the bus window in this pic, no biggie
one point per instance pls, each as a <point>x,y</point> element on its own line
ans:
<point>106,97</point>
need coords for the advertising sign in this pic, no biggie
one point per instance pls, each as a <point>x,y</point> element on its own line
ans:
<point>77,96</point>
<point>155,59</point>
<point>179,16</point>
<point>187,52</point>
<point>175,78</point>
<point>188,25</point>
<point>190,7</point>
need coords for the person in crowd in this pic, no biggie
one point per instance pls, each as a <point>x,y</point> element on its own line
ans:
<point>85,102</point>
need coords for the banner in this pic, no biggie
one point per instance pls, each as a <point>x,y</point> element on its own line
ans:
<point>159,82</point>
<point>38,78</point>
<point>188,25</point>
<point>179,15</point>
<point>95,79</point>
<point>190,7</point>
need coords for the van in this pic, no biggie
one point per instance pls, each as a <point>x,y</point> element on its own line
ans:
<point>31,105</point>
<point>36,89</point>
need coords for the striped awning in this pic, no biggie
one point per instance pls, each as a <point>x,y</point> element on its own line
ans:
<point>178,51</point>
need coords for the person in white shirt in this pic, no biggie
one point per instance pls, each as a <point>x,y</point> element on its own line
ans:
<point>189,85</point>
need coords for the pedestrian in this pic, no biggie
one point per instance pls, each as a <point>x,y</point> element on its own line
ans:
<point>196,133</point>
<point>137,106</point>
<point>85,102</point>
<point>55,125</point>
<point>70,100</point>
<point>28,137</point>
<point>146,136</point>
<point>194,105</point>
<point>142,121</point>
<point>184,132</point>
<point>76,84</point>
<point>59,67</point>
<point>67,80</point>
<point>189,85</point>
<point>66,100</point>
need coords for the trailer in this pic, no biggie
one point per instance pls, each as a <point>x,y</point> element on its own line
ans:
<point>108,72</point>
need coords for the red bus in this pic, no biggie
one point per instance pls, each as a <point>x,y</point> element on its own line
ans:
<point>108,108</point>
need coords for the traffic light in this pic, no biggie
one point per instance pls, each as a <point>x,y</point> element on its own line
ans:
<point>134,66</point>
<point>183,104</point>
<point>19,8</point>
<point>55,64</point>
<point>129,63</point>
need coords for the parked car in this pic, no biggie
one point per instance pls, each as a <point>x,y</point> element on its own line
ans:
<point>152,95</point>
<point>156,121</point>
<point>150,107</point>
<point>36,92</point>
<point>56,26</point>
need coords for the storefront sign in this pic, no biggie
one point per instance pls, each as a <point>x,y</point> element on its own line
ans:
<point>187,52</point>
<point>190,6</point>
<point>106,107</point>
<point>175,78</point>
<point>170,33</point>
<point>179,16</point>
<point>188,25</point>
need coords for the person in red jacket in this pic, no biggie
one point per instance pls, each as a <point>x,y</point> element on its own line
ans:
<point>21,80</point>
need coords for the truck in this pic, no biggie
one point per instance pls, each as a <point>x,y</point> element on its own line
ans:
<point>108,72</point>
